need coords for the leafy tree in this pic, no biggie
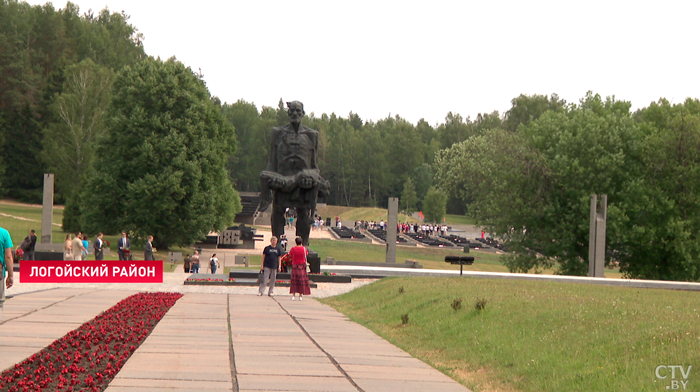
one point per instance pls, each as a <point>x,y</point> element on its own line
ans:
<point>434,205</point>
<point>422,179</point>
<point>22,148</point>
<point>253,135</point>
<point>37,44</point>
<point>408,197</point>
<point>532,188</point>
<point>454,130</point>
<point>80,108</point>
<point>529,108</point>
<point>661,207</point>
<point>160,170</point>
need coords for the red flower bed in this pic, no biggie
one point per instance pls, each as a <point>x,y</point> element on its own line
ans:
<point>88,358</point>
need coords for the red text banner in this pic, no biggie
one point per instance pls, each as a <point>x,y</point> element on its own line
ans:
<point>106,271</point>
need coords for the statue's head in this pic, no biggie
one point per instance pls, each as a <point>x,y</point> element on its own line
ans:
<point>295,110</point>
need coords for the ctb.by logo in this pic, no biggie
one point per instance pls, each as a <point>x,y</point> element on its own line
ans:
<point>664,371</point>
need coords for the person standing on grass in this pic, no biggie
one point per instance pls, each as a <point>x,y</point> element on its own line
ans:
<point>148,252</point>
<point>29,255</point>
<point>67,248</point>
<point>269,266</point>
<point>300,281</point>
<point>97,246</point>
<point>77,246</point>
<point>7,265</point>
<point>124,245</point>
<point>86,243</point>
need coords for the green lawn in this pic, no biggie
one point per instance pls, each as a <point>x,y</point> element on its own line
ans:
<point>458,220</point>
<point>534,336</point>
<point>19,228</point>
<point>433,258</point>
<point>358,213</point>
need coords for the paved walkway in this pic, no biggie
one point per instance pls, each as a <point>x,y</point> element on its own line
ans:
<point>227,342</point>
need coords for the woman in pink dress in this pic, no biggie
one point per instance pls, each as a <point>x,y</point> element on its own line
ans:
<point>300,281</point>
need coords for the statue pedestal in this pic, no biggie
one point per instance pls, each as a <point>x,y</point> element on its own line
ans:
<point>314,262</point>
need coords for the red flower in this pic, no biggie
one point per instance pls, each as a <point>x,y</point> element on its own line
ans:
<point>132,319</point>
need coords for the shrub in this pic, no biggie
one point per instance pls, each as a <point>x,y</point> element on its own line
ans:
<point>480,303</point>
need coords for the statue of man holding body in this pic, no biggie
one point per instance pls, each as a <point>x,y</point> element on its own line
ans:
<point>292,178</point>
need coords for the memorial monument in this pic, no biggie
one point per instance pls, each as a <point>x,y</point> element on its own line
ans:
<point>392,221</point>
<point>596,240</point>
<point>292,178</point>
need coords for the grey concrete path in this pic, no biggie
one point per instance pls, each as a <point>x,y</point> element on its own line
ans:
<point>227,342</point>
<point>277,345</point>
<point>187,351</point>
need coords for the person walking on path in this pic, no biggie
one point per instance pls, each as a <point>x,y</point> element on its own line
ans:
<point>214,263</point>
<point>269,265</point>
<point>188,261</point>
<point>7,265</point>
<point>300,281</point>
<point>195,263</point>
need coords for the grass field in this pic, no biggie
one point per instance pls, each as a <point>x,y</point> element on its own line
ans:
<point>432,258</point>
<point>359,213</point>
<point>428,257</point>
<point>535,336</point>
<point>458,220</point>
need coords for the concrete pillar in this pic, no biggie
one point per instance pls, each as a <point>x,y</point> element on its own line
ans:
<point>392,221</point>
<point>47,210</point>
<point>596,239</point>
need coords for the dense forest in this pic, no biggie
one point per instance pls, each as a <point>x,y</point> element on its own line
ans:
<point>526,175</point>
<point>50,61</point>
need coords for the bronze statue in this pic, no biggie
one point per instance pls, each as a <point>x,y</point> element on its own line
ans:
<point>292,178</point>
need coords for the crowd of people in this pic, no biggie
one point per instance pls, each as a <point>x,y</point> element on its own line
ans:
<point>76,247</point>
<point>425,229</point>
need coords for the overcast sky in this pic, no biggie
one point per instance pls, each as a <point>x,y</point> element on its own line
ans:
<point>422,59</point>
